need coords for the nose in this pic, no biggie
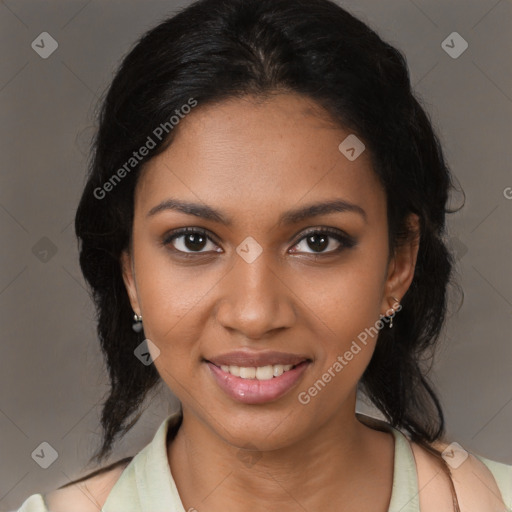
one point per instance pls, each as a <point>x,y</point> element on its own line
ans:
<point>255,299</point>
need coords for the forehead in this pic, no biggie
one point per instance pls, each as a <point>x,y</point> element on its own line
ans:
<point>249,153</point>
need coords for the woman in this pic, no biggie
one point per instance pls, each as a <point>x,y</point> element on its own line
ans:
<point>262,229</point>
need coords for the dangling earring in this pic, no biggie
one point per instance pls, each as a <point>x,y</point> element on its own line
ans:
<point>137,326</point>
<point>391,318</point>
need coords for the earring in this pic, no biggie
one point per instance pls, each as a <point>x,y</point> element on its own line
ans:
<point>391,318</point>
<point>137,326</point>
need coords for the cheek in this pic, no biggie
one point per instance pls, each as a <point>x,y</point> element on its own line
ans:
<point>346,307</point>
<point>347,330</point>
<point>171,303</point>
<point>345,300</point>
<point>171,296</point>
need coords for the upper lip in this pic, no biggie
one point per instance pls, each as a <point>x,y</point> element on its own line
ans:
<point>254,359</point>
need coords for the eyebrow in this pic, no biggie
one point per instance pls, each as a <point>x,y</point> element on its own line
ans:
<point>289,217</point>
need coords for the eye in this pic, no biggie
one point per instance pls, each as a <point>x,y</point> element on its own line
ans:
<point>319,239</point>
<point>189,239</point>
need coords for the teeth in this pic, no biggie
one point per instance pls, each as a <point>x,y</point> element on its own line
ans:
<point>260,373</point>
<point>265,372</point>
<point>278,370</point>
<point>247,373</point>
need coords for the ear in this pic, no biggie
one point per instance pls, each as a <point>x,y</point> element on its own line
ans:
<point>128,272</point>
<point>401,266</point>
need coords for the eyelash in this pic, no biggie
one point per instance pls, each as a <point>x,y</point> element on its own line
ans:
<point>346,242</point>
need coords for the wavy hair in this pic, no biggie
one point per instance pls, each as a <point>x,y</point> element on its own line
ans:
<point>214,50</point>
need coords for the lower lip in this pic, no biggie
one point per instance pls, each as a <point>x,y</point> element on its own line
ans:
<point>254,391</point>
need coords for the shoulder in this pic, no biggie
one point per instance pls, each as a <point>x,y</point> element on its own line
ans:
<point>88,494</point>
<point>475,484</point>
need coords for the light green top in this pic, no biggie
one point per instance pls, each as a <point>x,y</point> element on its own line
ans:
<point>147,485</point>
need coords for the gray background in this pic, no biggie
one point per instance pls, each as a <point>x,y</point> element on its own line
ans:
<point>52,376</point>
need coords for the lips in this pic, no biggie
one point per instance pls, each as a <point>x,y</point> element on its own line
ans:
<point>257,388</point>
<point>256,359</point>
<point>254,391</point>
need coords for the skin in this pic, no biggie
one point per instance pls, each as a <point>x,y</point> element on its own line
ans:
<point>252,160</point>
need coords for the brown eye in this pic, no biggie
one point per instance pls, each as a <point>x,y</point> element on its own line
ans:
<point>319,240</point>
<point>189,240</point>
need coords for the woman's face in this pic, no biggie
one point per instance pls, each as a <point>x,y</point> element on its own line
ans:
<point>250,286</point>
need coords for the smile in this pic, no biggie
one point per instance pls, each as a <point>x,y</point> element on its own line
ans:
<point>257,385</point>
<point>261,372</point>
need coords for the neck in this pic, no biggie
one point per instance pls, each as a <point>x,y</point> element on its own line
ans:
<point>339,458</point>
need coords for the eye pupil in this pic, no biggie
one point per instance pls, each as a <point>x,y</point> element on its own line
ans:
<point>195,241</point>
<point>318,246</point>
